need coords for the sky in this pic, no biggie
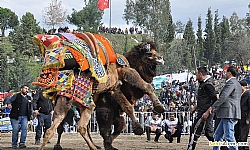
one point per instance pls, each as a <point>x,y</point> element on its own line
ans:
<point>181,10</point>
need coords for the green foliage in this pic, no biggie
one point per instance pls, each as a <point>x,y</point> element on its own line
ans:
<point>3,66</point>
<point>22,35</point>
<point>218,44</point>
<point>209,43</point>
<point>154,16</point>
<point>8,19</point>
<point>199,41</point>
<point>189,38</point>
<point>88,19</point>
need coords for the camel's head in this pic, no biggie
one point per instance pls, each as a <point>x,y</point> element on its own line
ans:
<point>144,58</point>
<point>149,53</point>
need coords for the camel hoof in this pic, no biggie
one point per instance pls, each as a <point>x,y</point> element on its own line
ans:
<point>109,147</point>
<point>57,147</point>
<point>137,129</point>
<point>98,147</point>
<point>158,107</point>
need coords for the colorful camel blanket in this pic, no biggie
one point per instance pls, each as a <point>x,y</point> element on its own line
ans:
<point>61,53</point>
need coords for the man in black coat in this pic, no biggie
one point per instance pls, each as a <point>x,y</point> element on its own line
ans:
<point>242,127</point>
<point>20,114</point>
<point>43,109</point>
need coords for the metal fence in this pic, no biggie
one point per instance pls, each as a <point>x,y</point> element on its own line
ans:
<point>184,117</point>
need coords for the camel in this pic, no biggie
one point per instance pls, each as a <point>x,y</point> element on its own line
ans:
<point>117,73</point>
<point>108,110</point>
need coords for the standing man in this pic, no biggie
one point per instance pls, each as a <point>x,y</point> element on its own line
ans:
<point>42,108</point>
<point>206,97</point>
<point>242,127</point>
<point>227,108</point>
<point>21,113</point>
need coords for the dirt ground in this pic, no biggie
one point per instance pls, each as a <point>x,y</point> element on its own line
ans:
<point>73,141</point>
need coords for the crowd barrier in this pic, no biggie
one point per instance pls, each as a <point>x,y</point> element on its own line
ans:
<point>184,117</point>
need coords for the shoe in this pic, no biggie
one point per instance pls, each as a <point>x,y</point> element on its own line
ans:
<point>22,146</point>
<point>37,142</point>
<point>170,141</point>
<point>156,141</point>
<point>14,147</point>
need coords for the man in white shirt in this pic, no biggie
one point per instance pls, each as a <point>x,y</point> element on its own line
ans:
<point>172,128</point>
<point>153,125</point>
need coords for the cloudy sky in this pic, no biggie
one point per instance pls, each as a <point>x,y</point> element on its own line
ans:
<point>181,9</point>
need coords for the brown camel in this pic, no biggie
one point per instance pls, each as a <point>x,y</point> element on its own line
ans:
<point>107,108</point>
<point>116,73</point>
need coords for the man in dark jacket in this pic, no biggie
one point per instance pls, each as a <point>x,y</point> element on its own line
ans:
<point>242,126</point>
<point>206,97</point>
<point>21,113</point>
<point>42,108</point>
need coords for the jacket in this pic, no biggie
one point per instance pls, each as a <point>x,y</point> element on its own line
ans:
<point>228,105</point>
<point>206,95</point>
<point>16,102</point>
<point>245,105</point>
<point>41,103</point>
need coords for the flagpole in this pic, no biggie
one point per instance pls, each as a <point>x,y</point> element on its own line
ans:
<point>109,16</point>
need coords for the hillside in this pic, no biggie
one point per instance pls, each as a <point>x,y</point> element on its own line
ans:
<point>124,42</point>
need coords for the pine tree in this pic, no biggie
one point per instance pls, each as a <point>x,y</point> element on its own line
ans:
<point>209,43</point>
<point>3,66</point>
<point>217,33</point>
<point>199,41</point>
<point>225,34</point>
<point>189,37</point>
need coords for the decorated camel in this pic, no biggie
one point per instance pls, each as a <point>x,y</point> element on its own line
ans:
<point>77,69</point>
<point>108,111</point>
<point>143,58</point>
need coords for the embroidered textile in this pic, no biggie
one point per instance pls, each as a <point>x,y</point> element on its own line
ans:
<point>54,58</point>
<point>95,65</point>
<point>80,91</point>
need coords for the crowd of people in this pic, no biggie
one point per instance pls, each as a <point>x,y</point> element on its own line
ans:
<point>230,110</point>
<point>115,30</point>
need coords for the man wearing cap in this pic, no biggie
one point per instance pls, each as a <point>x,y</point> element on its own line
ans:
<point>153,125</point>
<point>241,129</point>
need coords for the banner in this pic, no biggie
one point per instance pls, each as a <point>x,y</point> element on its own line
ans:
<point>102,4</point>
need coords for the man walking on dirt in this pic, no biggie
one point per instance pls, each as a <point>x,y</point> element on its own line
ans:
<point>206,97</point>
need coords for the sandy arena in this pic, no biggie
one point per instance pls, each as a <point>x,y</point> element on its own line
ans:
<point>73,141</point>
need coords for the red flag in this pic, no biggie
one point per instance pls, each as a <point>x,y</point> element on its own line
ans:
<point>102,4</point>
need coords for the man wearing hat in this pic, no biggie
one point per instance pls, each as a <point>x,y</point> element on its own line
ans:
<point>242,127</point>
<point>153,125</point>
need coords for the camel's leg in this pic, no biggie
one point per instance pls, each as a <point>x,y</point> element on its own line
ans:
<point>83,123</point>
<point>129,110</point>
<point>132,77</point>
<point>119,126</point>
<point>88,129</point>
<point>59,132</point>
<point>61,109</point>
<point>104,117</point>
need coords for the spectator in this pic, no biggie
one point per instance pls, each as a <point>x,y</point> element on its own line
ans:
<point>173,128</point>
<point>42,109</point>
<point>153,125</point>
<point>242,126</point>
<point>227,108</point>
<point>21,113</point>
